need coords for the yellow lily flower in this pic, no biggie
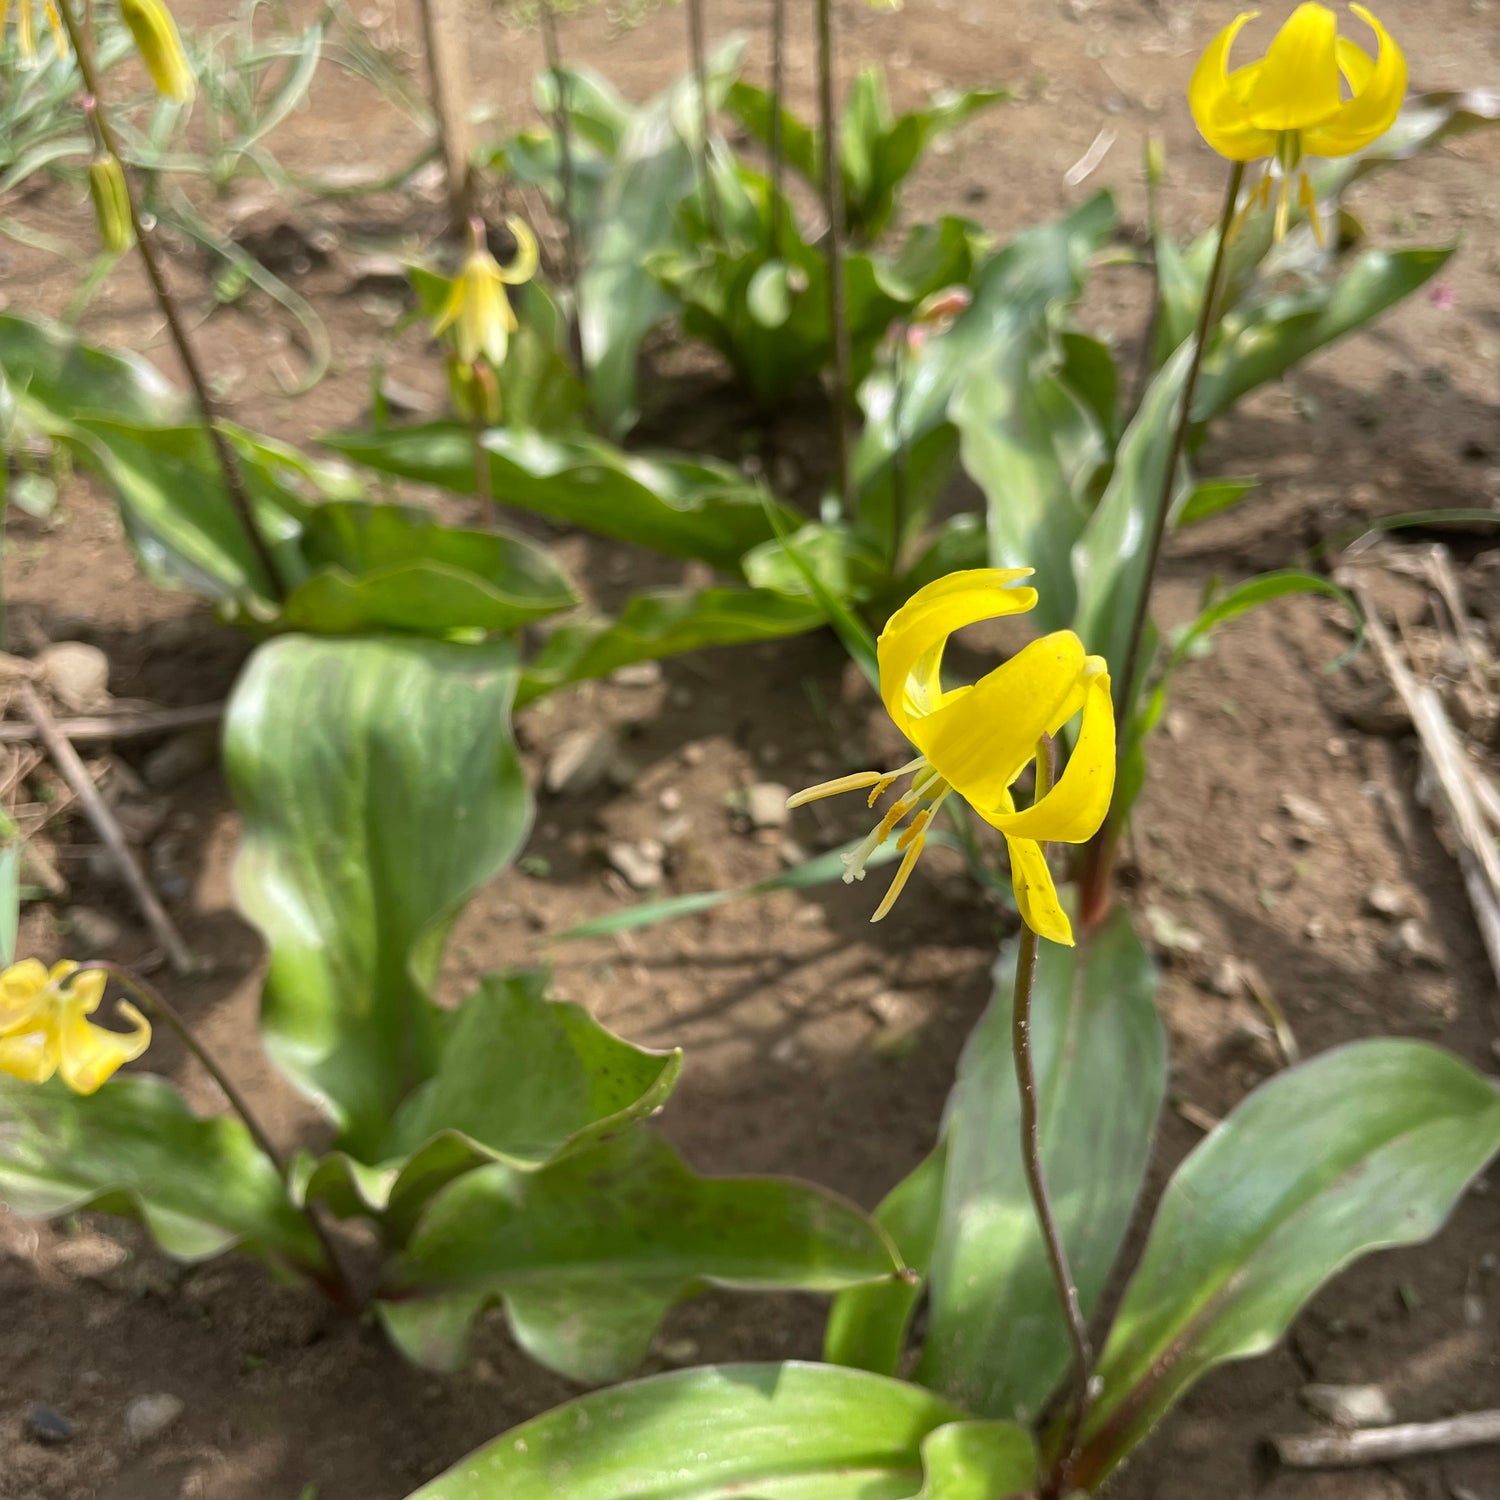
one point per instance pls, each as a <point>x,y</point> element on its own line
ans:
<point>978,739</point>
<point>26,29</point>
<point>1291,103</point>
<point>44,1030</point>
<point>477,308</point>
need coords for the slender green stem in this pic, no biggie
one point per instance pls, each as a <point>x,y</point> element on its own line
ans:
<point>833,249</point>
<point>898,443</point>
<point>1031,1157</point>
<point>777,150</point>
<point>228,460</point>
<point>156,1004</point>
<point>699,50</point>
<point>1099,863</point>
<point>562,128</point>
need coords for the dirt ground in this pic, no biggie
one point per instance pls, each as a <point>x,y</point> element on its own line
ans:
<point>817,1044</point>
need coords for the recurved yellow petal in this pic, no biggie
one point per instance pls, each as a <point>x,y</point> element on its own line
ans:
<point>160,45</point>
<point>88,1055</point>
<point>980,739</point>
<point>22,994</point>
<point>528,256</point>
<point>1216,100</point>
<point>910,648</point>
<point>1376,100</point>
<point>1297,83</point>
<point>1036,895</point>
<point>1074,809</point>
<point>30,1056</point>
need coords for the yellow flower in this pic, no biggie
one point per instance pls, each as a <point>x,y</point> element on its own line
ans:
<point>26,29</point>
<point>1291,103</point>
<point>44,1030</point>
<point>978,739</point>
<point>160,46</point>
<point>477,308</point>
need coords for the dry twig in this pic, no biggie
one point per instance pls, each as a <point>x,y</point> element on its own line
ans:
<point>1379,1445</point>
<point>76,774</point>
<point>123,726</point>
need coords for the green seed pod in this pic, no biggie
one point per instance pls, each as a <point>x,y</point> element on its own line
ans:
<point>111,204</point>
<point>474,391</point>
<point>160,46</point>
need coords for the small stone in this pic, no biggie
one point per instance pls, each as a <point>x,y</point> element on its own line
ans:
<point>148,1417</point>
<point>669,799</point>
<point>788,1053</point>
<point>638,865</point>
<point>580,761</point>
<point>1411,943</point>
<point>1255,1042</point>
<point>637,674</point>
<point>1473,1310</point>
<point>1304,812</point>
<point>1167,932</point>
<point>694,753</point>
<point>181,757</point>
<point>1386,900</point>
<point>892,1008</point>
<point>1349,1405</point>
<point>1316,928</point>
<point>76,674</point>
<point>765,805</point>
<point>674,832</point>
<point>1227,980</point>
<point>87,1256</point>
<point>50,1428</point>
<point>680,1351</point>
<point>95,933</point>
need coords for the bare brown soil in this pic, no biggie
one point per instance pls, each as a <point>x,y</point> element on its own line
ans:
<point>817,1044</point>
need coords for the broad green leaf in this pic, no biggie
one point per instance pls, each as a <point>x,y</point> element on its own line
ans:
<point>683,507</point>
<point>1112,560</point>
<point>979,1461</point>
<point>392,567</point>
<point>1264,341</point>
<point>1365,1147</point>
<point>522,1080</point>
<point>997,1341</point>
<point>1004,330</point>
<point>723,1432</point>
<point>867,1325</point>
<point>660,623</point>
<point>591,1252</point>
<point>651,173</point>
<point>1210,497</point>
<point>801,146</point>
<point>379,787</point>
<point>201,1186</point>
<point>10,887</point>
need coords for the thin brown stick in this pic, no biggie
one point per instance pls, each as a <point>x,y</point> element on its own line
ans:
<point>224,454</point>
<point>76,774</point>
<point>122,726</point>
<point>153,1001</point>
<point>833,250</point>
<point>1379,1445</point>
<point>448,77</point>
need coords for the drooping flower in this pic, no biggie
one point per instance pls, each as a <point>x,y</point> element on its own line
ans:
<point>44,1027</point>
<point>26,29</point>
<point>978,739</point>
<point>1314,93</point>
<point>477,308</point>
<point>160,45</point>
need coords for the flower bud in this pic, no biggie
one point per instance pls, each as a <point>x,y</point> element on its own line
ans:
<point>111,204</point>
<point>160,46</point>
<point>474,391</point>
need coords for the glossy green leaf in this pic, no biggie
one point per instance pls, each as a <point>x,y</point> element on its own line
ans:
<point>393,567</point>
<point>979,1461</point>
<point>1263,342</point>
<point>379,787</point>
<point>201,1186</point>
<point>1004,331</point>
<point>997,1341</point>
<point>683,507</point>
<point>1112,560</point>
<point>1211,497</point>
<point>867,1326</point>
<point>750,1432</point>
<point>590,1253</point>
<point>522,1080</point>
<point>1364,1147</point>
<point>662,623</point>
